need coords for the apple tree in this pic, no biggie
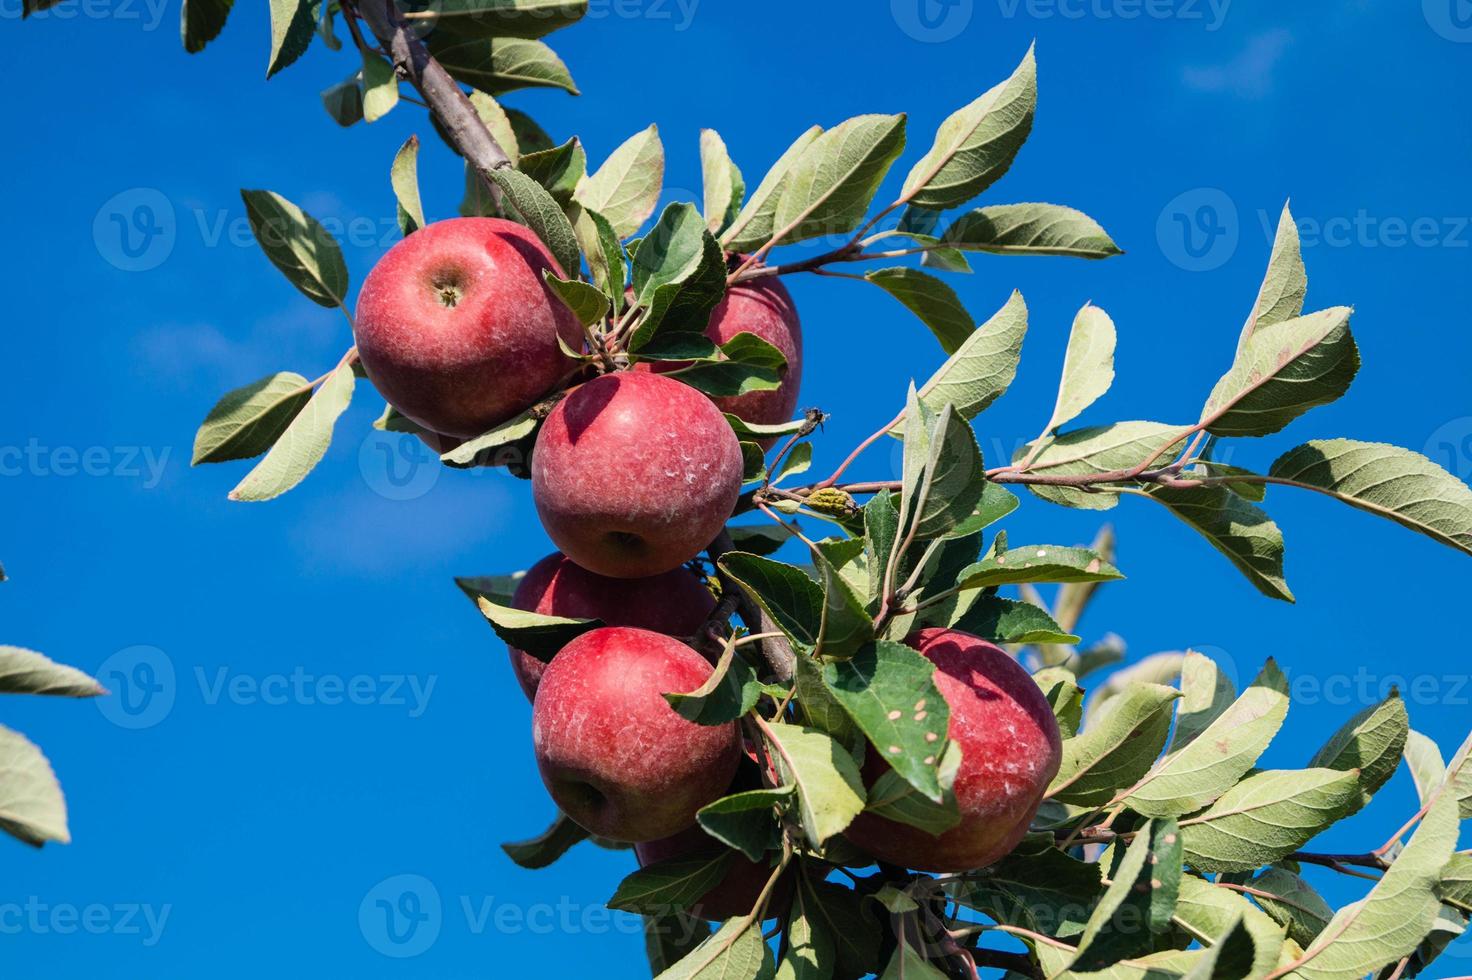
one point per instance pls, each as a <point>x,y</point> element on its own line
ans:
<point>866,759</point>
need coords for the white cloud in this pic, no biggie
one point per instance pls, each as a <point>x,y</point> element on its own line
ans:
<point>1249,75</point>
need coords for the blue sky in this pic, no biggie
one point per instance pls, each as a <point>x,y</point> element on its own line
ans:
<point>329,713</point>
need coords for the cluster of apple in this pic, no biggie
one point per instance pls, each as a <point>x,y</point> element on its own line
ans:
<point>633,474</point>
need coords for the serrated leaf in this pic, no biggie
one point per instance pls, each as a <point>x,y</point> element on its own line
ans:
<point>830,792</point>
<point>889,691</point>
<point>544,849</point>
<point>380,87</point>
<point>541,213</point>
<point>535,634</point>
<point>1456,882</point>
<point>299,246</point>
<point>480,450</point>
<point>679,273</point>
<point>248,421</point>
<point>1009,621</point>
<point>744,821</point>
<point>1292,903</point>
<point>404,176</point>
<point>1031,229</point>
<point>344,101</point>
<point>977,144</point>
<point>607,262</point>
<point>1397,914</point>
<point>1240,531</point>
<point>846,626</point>
<point>1039,563</point>
<point>1116,748</point>
<point>719,176</point>
<point>303,442</point>
<point>1282,371</point>
<point>829,187</point>
<point>785,592</point>
<point>1200,769</point>
<point>292,28</point>
<point>848,919</point>
<point>953,479</point>
<point>497,65</point>
<point>1158,668</point>
<point>1428,768</point>
<point>810,953</point>
<point>1388,481</point>
<point>1138,902</point>
<point>1047,892</point>
<point>25,671</point>
<point>984,366</point>
<point>1371,743</point>
<point>908,964</point>
<point>753,226</point>
<point>1097,450</point>
<point>32,808</point>
<point>586,301</point>
<point>1209,913</point>
<point>668,885</point>
<point>500,589</point>
<point>200,22</point>
<point>893,798</point>
<point>1064,696</point>
<point>1088,365</point>
<point>559,169</point>
<point>930,299</point>
<point>509,18</point>
<point>668,939</point>
<point>730,692</point>
<point>626,188</point>
<point>1283,289</point>
<point>1267,816</point>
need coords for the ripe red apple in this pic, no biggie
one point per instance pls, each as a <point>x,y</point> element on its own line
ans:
<point>458,330</point>
<point>1010,752</point>
<point>633,474</point>
<point>675,603</point>
<point>615,756</point>
<point>734,895</point>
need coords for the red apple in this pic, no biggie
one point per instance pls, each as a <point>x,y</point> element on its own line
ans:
<point>737,893</point>
<point>1010,752</point>
<point>633,474</point>
<point>615,756</point>
<point>676,603</point>
<point>458,330</point>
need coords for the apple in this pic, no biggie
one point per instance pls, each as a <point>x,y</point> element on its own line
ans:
<point>634,474</point>
<point>457,328</point>
<point>734,895</point>
<point>676,603</point>
<point>1010,752</point>
<point>614,755</point>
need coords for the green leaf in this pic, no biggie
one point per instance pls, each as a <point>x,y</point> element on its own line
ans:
<point>1456,882</point>
<point>586,301</point>
<point>607,262</point>
<point>907,964</point>
<point>1233,526</point>
<point>1088,366</point>
<point>509,18</point>
<point>671,885</point>
<point>626,188</point>
<point>497,65</point>
<point>730,692</point>
<point>1267,816</point>
<point>303,442</point>
<point>1232,957</point>
<point>1283,289</point>
<point>344,101</point>
<point>200,22</point>
<point>1209,914</point>
<point>544,849</point>
<point>819,708</point>
<point>996,503</point>
<point>535,634</point>
<point>951,484</point>
<point>889,690</point>
<point>249,420</point>
<point>846,626</point>
<point>32,808</point>
<point>829,188</point>
<point>1371,743</point>
<point>1031,229</point>
<point>744,821</point>
<point>919,225</point>
<point>749,364</point>
<point>500,589</point>
<point>797,461</point>
<point>541,213</point>
<point>1039,563</point>
<point>977,144</point>
<point>1292,903</point>
<point>848,919</point>
<point>983,368</point>
<point>1282,371</point>
<point>830,792</point>
<point>930,299</point>
<point>559,169</point>
<point>1428,768</point>
<point>1143,892</point>
<point>480,451</point>
<point>1065,697</point>
<point>1117,748</point>
<point>299,246</point>
<point>404,176</point>
<point>810,953</point>
<point>668,939</point>
<point>292,28</point>
<point>893,798</point>
<point>783,591</point>
<point>735,950</point>
<point>1244,483</point>
<point>1009,621</point>
<point>1388,481</point>
<point>719,179</point>
<point>1097,450</point>
<point>1397,914</point>
<point>679,273</point>
<point>753,226</point>
<point>496,119</point>
<point>1046,891</point>
<point>1212,759</point>
<point>1158,668</point>
<point>758,539</point>
<point>380,87</point>
<point>27,672</point>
